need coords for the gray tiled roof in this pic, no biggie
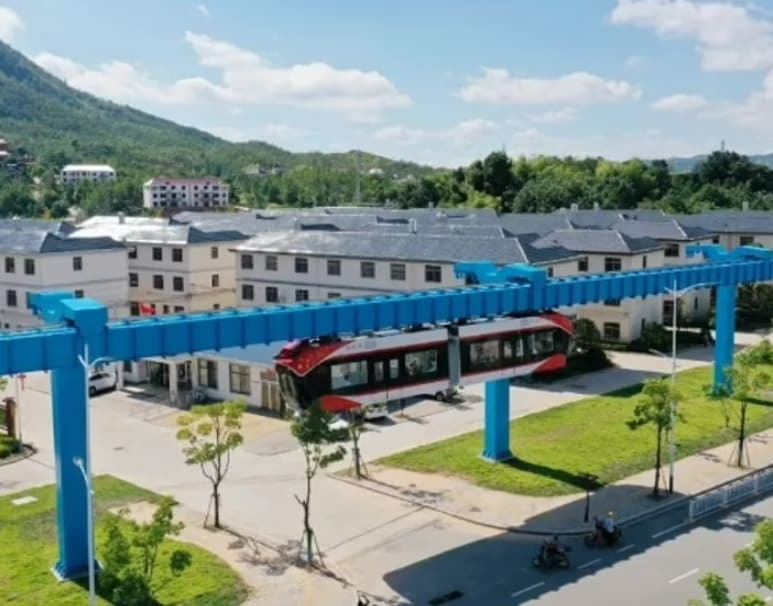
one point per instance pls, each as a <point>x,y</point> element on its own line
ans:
<point>39,241</point>
<point>156,231</point>
<point>661,230</point>
<point>597,241</point>
<point>54,227</point>
<point>408,247</point>
<point>731,221</point>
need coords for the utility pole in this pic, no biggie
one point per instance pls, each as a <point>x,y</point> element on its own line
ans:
<point>357,200</point>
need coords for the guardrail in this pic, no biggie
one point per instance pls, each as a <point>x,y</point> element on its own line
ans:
<point>754,483</point>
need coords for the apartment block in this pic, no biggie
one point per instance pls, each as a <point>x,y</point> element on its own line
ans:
<point>161,193</point>
<point>80,173</point>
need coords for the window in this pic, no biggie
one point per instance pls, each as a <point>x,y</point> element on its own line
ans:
<point>550,272</point>
<point>378,372</point>
<point>348,374</point>
<point>668,311</point>
<point>10,298</point>
<point>78,294</point>
<point>333,267</point>
<point>29,267</point>
<point>248,292</point>
<point>158,282</point>
<point>485,354</point>
<point>543,342</point>
<point>177,284</point>
<point>77,263</point>
<point>644,262</point>
<point>333,295</point>
<point>611,331</point>
<point>272,294</point>
<point>165,309</point>
<point>582,264</point>
<point>421,362</point>
<point>10,265</point>
<point>612,302</point>
<point>133,252</point>
<point>301,294</point>
<point>367,269</point>
<point>134,279</point>
<point>214,252</point>
<point>216,306</point>
<point>177,255</point>
<point>246,261</point>
<point>397,271</point>
<point>672,250</point>
<point>272,263</point>
<point>394,368</point>
<point>747,240</point>
<point>301,265</point>
<point>715,240</point>
<point>178,309</point>
<point>158,253</point>
<point>215,280</point>
<point>612,264</point>
<point>207,373</point>
<point>239,378</point>
<point>134,308</point>
<point>432,273</point>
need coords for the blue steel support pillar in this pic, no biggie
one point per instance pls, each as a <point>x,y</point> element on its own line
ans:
<point>724,346</point>
<point>70,416</point>
<point>496,432</point>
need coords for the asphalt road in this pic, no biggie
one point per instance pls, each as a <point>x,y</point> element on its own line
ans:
<point>658,562</point>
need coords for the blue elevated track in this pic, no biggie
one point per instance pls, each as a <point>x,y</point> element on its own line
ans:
<point>82,332</point>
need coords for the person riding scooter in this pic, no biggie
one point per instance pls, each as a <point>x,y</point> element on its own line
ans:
<point>606,528</point>
<point>552,549</point>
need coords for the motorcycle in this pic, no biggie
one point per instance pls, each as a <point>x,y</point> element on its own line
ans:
<point>599,537</point>
<point>556,559</point>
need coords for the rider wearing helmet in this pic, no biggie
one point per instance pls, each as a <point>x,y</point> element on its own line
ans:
<point>609,523</point>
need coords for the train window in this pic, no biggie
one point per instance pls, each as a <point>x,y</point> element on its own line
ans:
<point>421,362</point>
<point>348,374</point>
<point>543,342</point>
<point>507,349</point>
<point>485,353</point>
<point>378,372</point>
<point>394,368</point>
<point>519,354</point>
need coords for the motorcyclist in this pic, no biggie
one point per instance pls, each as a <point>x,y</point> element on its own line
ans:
<point>551,548</point>
<point>609,525</point>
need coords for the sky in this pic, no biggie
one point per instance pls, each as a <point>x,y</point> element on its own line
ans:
<point>439,82</point>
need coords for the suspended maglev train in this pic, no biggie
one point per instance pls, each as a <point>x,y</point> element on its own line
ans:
<point>384,366</point>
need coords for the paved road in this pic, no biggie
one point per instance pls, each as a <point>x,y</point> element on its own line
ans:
<point>659,562</point>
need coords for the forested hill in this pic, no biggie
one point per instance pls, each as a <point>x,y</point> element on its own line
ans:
<point>58,124</point>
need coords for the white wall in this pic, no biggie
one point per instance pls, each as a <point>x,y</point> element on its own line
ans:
<point>264,387</point>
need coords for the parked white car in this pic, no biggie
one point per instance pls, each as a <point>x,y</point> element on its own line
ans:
<point>102,381</point>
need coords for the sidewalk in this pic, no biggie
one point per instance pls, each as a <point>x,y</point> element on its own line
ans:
<point>628,498</point>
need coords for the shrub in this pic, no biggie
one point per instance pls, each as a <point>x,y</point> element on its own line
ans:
<point>8,446</point>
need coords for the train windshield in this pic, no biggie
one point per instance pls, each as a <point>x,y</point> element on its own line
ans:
<point>288,387</point>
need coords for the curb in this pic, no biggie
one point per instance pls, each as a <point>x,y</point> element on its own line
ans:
<point>28,450</point>
<point>577,531</point>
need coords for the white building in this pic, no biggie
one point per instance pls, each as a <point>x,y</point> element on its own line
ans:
<point>172,268</point>
<point>79,173</point>
<point>39,255</point>
<point>185,193</point>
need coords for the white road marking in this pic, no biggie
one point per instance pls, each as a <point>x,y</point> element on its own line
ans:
<point>529,588</point>
<point>591,563</point>
<point>681,577</point>
<point>626,548</point>
<point>667,530</point>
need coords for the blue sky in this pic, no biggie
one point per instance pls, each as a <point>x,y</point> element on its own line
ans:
<point>440,82</point>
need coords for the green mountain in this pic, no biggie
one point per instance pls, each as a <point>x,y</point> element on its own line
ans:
<point>686,165</point>
<point>58,124</point>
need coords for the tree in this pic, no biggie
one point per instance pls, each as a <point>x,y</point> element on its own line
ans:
<point>656,410</point>
<point>211,433</point>
<point>356,427</point>
<point>131,553</point>
<point>756,559</point>
<point>744,379</point>
<point>320,446</point>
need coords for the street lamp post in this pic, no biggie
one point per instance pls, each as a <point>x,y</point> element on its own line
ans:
<point>78,461</point>
<point>676,294</point>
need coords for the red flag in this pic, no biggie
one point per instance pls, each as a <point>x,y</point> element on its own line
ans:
<point>147,309</point>
<point>338,404</point>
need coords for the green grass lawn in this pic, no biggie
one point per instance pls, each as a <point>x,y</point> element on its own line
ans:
<point>28,550</point>
<point>589,436</point>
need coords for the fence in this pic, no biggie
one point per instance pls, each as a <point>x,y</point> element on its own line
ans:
<point>752,484</point>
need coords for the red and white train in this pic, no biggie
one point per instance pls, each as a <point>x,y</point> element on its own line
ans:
<point>385,366</point>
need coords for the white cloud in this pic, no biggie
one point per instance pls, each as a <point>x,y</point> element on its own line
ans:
<point>566,114</point>
<point>679,103</point>
<point>10,23</point>
<point>755,112</point>
<point>202,8</point>
<point>729,36</point>
<point>577,88</point>
<point>247,79</point>
<point>635,61</point>
<point>459,135</point>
